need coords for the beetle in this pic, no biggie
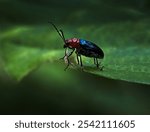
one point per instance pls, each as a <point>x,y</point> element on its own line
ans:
<point>81,47</point>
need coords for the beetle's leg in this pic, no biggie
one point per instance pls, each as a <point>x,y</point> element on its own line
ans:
<point>62,57</point>
<point>81,61</point>
<point>66,54</point>
<point>68,62</point>
<point>67,58</point>
<point>77,55</point>
<point>67,65</point>
<point>97,63</point>
<point>71,52</point>
<point>77,59</point>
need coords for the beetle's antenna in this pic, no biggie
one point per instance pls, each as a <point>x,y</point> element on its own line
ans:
<point>60,32</point>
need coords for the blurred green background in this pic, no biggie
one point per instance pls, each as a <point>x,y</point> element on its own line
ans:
<point>45,88</point>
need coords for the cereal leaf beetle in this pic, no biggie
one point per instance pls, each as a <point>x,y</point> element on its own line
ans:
<point>81,47</point>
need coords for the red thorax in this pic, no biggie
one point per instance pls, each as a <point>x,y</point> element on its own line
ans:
<point>73,43</point>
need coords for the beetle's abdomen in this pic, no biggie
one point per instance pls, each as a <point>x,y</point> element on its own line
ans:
<point>73,43</point>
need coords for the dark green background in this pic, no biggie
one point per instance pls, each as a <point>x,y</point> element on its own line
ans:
<point>50,90</point>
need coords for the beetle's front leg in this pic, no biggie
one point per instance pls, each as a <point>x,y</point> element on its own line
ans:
<point>67,54</point>
<point>67,61</point>
<point>71,52</point>
<point>66,58</point>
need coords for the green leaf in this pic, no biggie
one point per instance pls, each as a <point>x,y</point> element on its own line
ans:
<point>130,64</point>
<point>19,61</point>
<point>23,49</point>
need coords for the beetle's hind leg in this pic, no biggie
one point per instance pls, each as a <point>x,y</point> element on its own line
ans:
<point>96,62</point>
